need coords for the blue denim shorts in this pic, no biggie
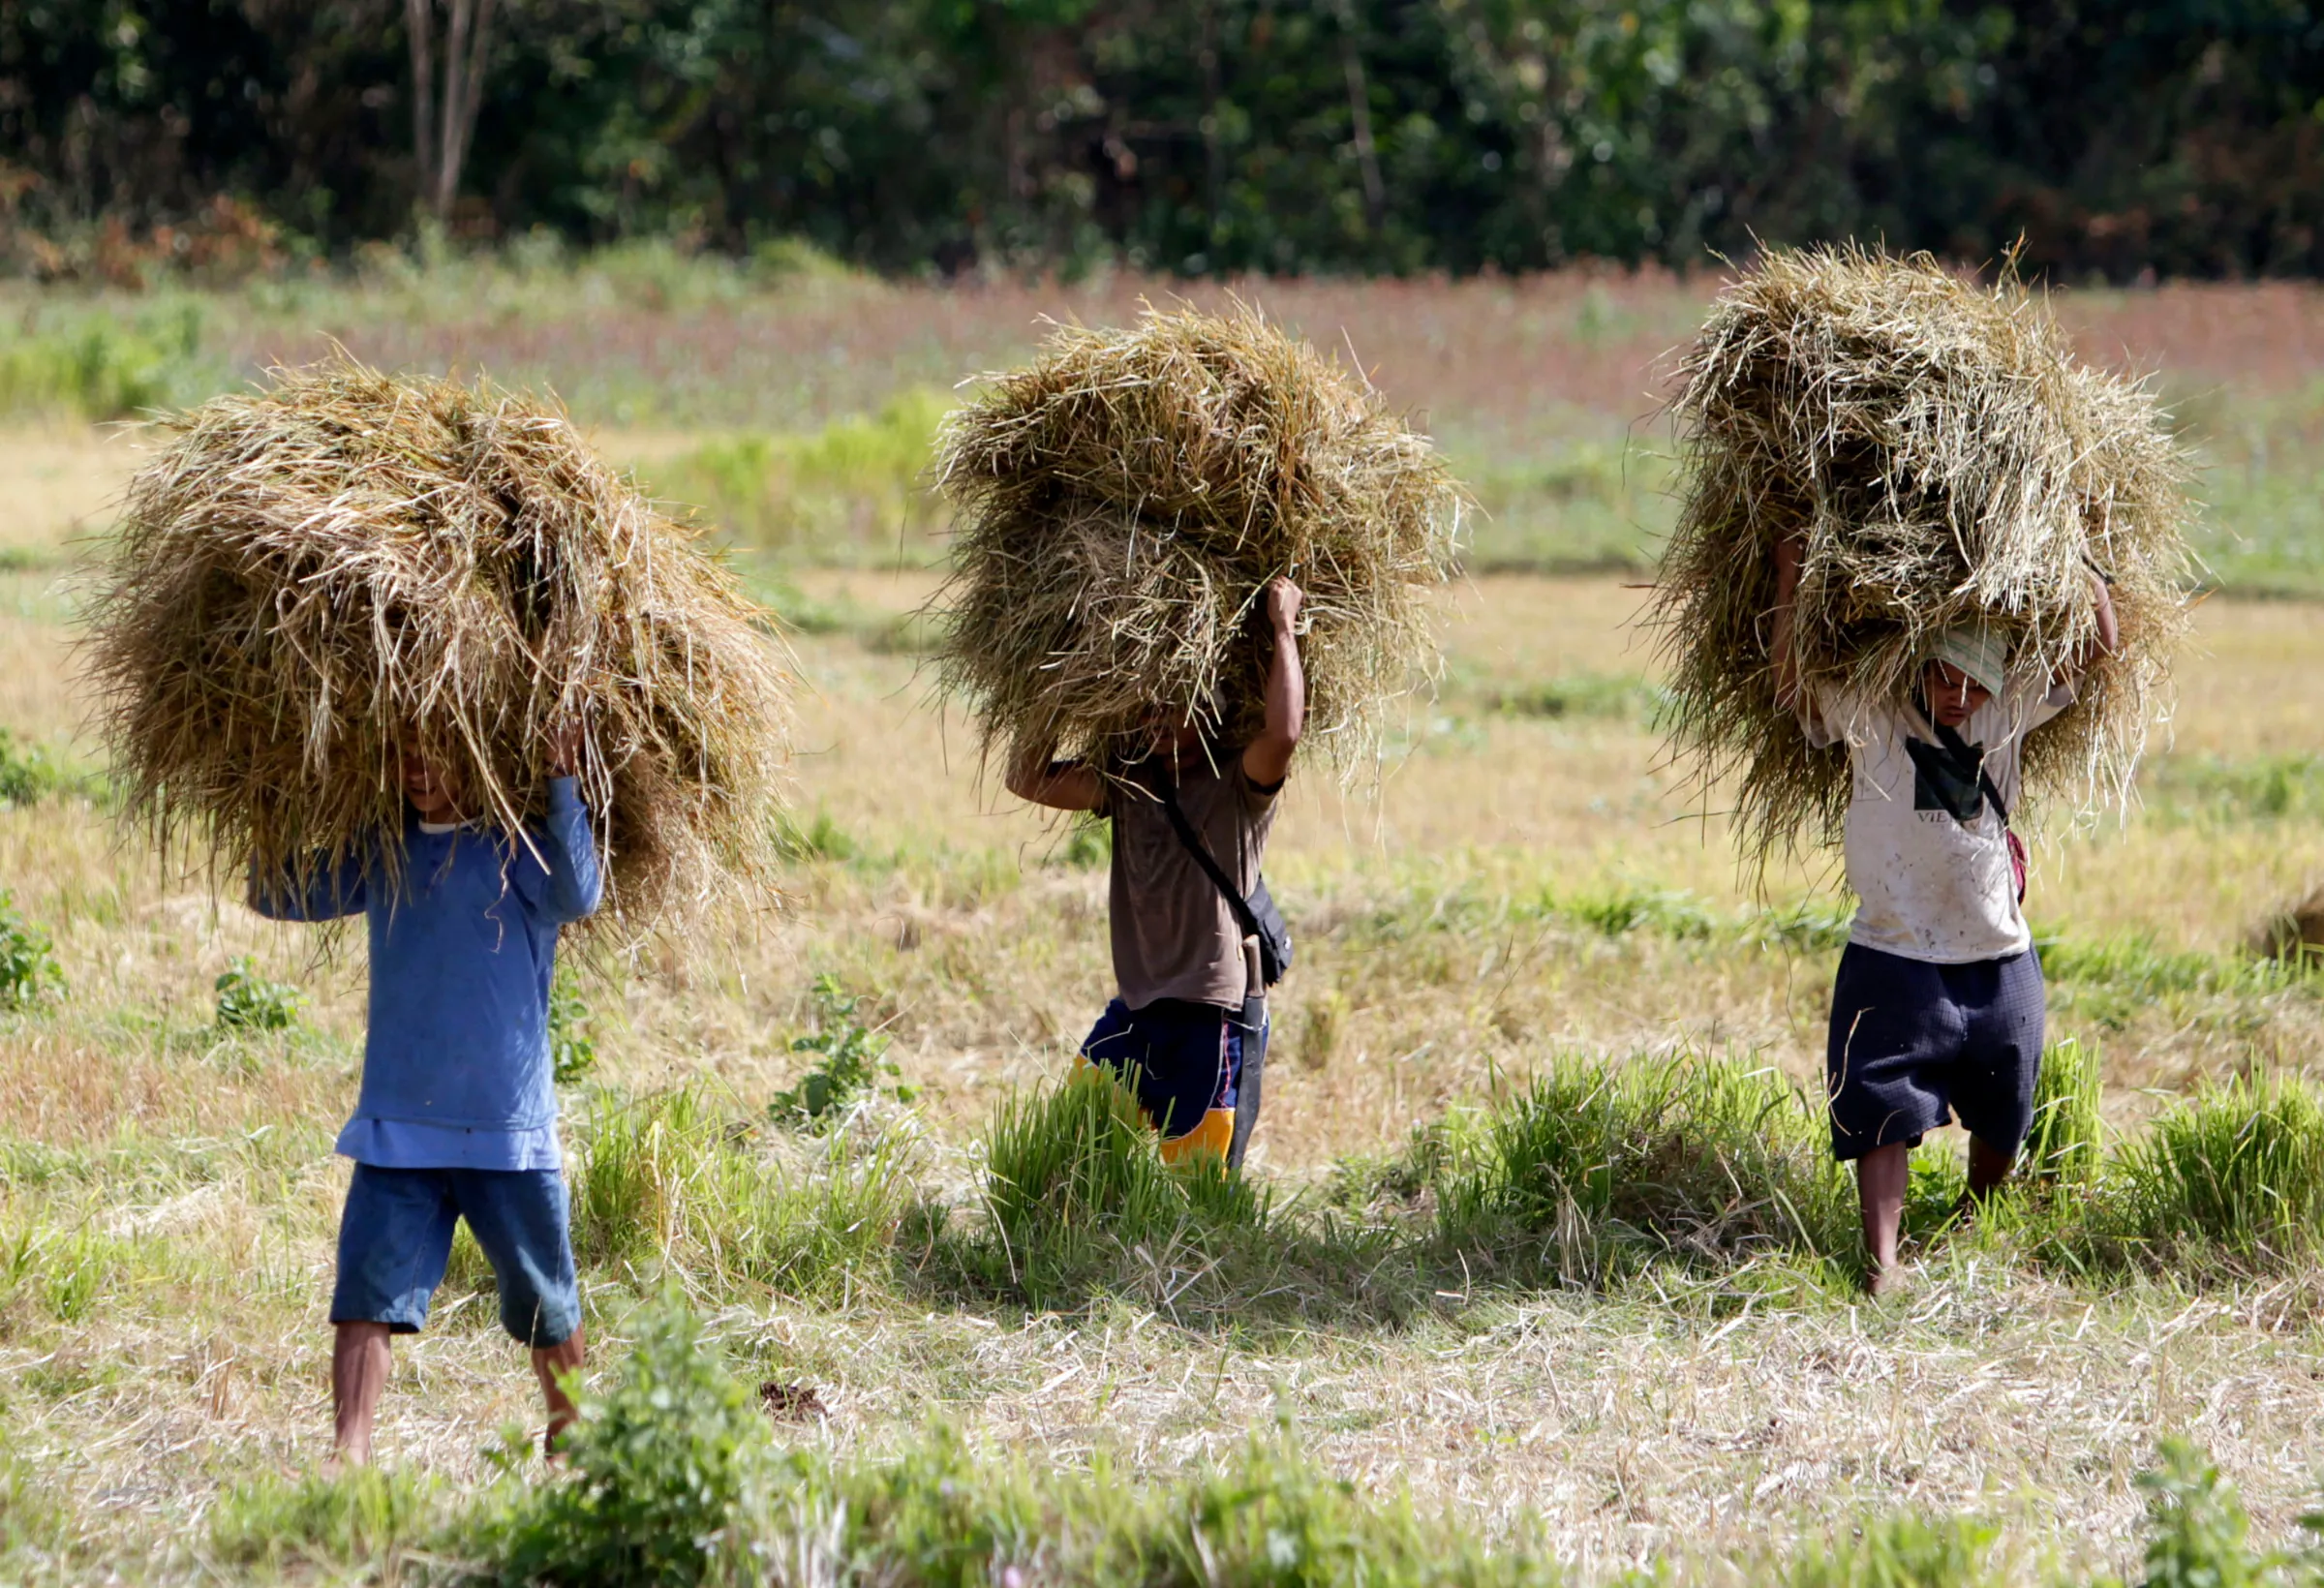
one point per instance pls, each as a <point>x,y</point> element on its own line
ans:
<point>396,1237</point>
<point>1186,1058</point>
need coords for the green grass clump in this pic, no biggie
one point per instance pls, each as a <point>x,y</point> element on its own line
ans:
<point>31,772</point>
<point>2233,1175</point>
<point>1901,1551</point>
<point>1618,696</point>
<point>95,369</point>
<point>2063,1148</point>
<point>2218,788</point>
<point>365,1517</point>
<point>1594,1170</point>
<point>1075,1162</point>
<point>28,967</point>
<point>670,1179</point>
<point>853,486</point>
<point>247,1001</point>
<point>1669,913</point>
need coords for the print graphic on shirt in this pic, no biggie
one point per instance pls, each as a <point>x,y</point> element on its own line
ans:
<point>1944,782</point>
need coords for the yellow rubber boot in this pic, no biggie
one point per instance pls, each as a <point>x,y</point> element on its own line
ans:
<point>1215,1135</point>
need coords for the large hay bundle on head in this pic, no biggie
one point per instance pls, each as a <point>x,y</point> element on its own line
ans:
<point>1122,503</point>
<point>1945,459</point>
<point>307,574</point>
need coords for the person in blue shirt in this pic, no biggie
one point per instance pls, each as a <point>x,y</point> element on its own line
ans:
<point>457,1114</point>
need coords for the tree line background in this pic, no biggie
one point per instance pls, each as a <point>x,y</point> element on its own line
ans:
<point>1194,136</point>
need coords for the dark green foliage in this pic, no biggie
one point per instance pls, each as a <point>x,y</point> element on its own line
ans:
<point>27,961</point>
<point>247,1001</point>
<point>849,1065</point>
<point>1592,1170</point>
<point>1235,136</point>
<point>660,1464</point>
<point>573,1050</point>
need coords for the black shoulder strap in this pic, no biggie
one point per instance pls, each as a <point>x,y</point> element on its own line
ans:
<point>1194,845</point>
<point>1963,752</point>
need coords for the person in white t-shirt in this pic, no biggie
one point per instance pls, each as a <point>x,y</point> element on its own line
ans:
<point>1938,1009</point>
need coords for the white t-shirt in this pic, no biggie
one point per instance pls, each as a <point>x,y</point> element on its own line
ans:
<point>1927,854</point>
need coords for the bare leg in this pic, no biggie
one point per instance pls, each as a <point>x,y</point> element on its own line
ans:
<point>1881,1177</point>
<point>548,1366</point>
<point>1988,1168</point>
<point>361,1361</point>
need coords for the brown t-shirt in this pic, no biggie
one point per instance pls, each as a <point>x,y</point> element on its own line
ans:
<point>1173,936</point>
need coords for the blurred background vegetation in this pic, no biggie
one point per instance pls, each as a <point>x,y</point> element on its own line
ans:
<point>1196,136</point>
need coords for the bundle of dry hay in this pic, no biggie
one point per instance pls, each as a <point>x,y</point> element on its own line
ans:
<point>1122,503</point>
<point>1946,458</point>
<point>309,574</point>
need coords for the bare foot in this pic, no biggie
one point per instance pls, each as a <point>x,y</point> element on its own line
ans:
<point>1883,1282</point>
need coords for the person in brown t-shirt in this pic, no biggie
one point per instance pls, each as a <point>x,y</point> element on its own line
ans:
<point>1179,964</point>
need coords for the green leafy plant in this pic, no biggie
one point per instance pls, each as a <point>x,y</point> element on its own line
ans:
<point>850,1059</point>
<point>29,774</point>
<point>247,1001</point>
<point>28,966</point>
<point>2201,1536</point>
<point>660,1464</point>
<point>573,1050</point>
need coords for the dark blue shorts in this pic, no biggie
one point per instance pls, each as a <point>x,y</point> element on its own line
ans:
<point>1186,1058</point>
<point>396,1237</point>
<point>1913,1044</point>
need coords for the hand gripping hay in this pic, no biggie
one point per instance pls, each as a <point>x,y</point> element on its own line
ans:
<point>1124,502</point>
<point>309,571</point>
<point>1944,458</point>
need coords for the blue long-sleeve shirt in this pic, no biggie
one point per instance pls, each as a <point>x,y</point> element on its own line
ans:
<point>456,1067</point>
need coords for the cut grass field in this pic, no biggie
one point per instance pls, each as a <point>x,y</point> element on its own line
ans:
<point>1515,1254</point>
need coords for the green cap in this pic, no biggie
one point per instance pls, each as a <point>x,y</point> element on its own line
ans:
<point>1977,649</point>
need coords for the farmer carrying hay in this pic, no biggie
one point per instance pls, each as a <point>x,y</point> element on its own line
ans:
<point>1926,563</point>
<point>409,650</point>
<point>1185,547</point>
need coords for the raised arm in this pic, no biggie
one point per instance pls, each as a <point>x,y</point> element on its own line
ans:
<point>1783,651</point>
<point>1266,759</point>
<point>555,864</point>
<point>2102,640</point>
<point>1038,778</point>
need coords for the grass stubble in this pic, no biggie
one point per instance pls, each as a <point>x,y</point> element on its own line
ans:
<point>1520,892</point>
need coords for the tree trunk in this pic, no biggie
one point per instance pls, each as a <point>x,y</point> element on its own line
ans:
<point>441,128</point>
<point>1360,115</point>
<point>417,14</point>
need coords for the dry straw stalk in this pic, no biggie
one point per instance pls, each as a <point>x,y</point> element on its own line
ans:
<point>1944,458</point>
<point>307,574</point>
<point>1123,502</point>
